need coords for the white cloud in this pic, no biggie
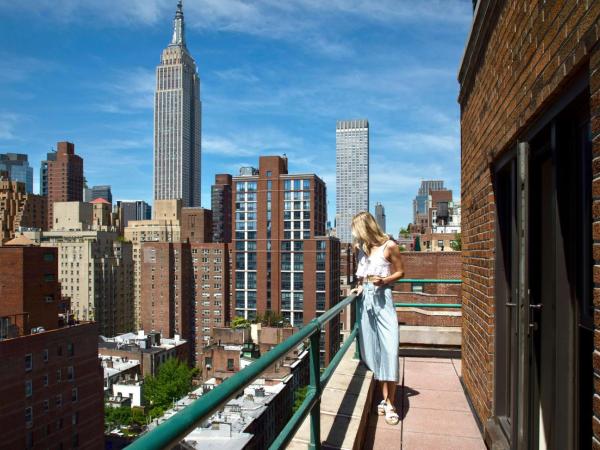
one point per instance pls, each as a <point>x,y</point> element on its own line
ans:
<point>8,123</point>
<point>128,90</point>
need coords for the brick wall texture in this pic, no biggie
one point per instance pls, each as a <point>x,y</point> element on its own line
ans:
<point>533,50</point>
<point>430,265</point>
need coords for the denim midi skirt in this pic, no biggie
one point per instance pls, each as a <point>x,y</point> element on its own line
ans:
<point>378,332</point>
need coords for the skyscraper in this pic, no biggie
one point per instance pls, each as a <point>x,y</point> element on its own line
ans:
<point>65,178</point>
<point>177,121</point>
<point>351,173</point>
<point>380,215</point>
<point>282,261</point>
<point>50,156</point>
<point>220,198</point>
<point>18,169</point>
<point>103,191</point>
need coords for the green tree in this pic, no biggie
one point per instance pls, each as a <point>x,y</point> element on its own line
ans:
<point>299,397</point>
<point>456,244</point>
<point>117,417</point>
<point>240,322</point>
<point>270,319</point>
<point>418,244</point>
<point>403,232</point>
<point>173,381</point>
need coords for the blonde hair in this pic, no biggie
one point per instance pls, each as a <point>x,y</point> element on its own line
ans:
<point>367,233</point>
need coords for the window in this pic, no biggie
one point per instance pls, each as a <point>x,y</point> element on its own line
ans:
<point>59,400</point>
<point>46,405</point>
<point>70,373</point>
<point>28,362</point>
<point>58,376</point>
<point>49,257</point>
<point>28,388</point>
<point>75,418</point>
<point>49,277</point>
<point>45,355</point>
<point>45,379</point>
<point>208,361</point>
<point>48,298</point>
<point>229,364</point>
<point>416,287</point>
<point>268,173</point>
<point>74,394</point>
<point>28,416</point>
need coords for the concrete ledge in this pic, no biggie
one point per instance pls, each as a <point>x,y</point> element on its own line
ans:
<point>435,336</point>
<point>345,407</point>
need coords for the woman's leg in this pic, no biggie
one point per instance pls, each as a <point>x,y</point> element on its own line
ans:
<point>384,390</point>
<point>390,390</point>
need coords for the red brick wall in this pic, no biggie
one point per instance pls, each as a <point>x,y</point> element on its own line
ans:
<point>595,115</point>
<point>430,265</point>
<point>27,279</point>
<point>531,52</point>
<point>55,426</point>
<point>65,178</point>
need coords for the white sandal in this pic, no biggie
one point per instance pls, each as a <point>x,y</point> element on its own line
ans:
<point>391,416</point>
<point>381,408</point>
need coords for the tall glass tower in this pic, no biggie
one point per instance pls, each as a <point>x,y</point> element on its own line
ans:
<point>351,173</point>
<point>177,121</point>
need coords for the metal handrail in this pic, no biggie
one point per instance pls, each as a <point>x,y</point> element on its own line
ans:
<point>183,422</point>
<point>428,305</point>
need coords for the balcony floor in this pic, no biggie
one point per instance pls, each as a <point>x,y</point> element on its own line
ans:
<point>433,410</point>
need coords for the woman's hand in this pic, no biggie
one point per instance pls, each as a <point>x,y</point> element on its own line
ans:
<point>377,281</point>
<point>357,290</point>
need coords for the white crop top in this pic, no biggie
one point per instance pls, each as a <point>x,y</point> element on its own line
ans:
<point>375,264</point>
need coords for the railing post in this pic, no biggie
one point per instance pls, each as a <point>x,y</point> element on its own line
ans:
<point>356,318</point>
<point>315,385</point>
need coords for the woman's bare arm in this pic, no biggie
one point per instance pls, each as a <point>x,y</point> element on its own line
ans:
<point>393,255</point>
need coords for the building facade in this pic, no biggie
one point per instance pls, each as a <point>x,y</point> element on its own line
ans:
<point>165,227</point>
<point>177,122</point>
<point>18,168</point>
<point>380,215</point>
<point>220,203</point>
<point>351,174</point>
<point>50,379</point>
<point>101,192</point>
<point>196,225</point>
<point>185,290</point>
<point>530,99</point>
<point>65,178</point>
<point>95,268</point>
<point>19,208</point>
<point>50,156</point>
<point>282,261</point>
<point>133,210</point>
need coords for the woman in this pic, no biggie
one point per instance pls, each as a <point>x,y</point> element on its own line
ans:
<point>379,266</point>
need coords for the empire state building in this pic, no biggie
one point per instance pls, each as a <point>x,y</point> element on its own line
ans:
<point>177,121</point>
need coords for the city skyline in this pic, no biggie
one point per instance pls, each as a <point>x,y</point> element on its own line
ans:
<point>257,89</point>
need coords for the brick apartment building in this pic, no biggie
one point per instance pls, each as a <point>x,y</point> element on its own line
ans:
<point>196,225</point>
<point>220,203</point>
<point>530,102</point>
<point>185,290</point>
<point>231,349</point>
<point>64,176</point>
<point>18,208</point>
<point>282,261</point>
<point>50,378</point>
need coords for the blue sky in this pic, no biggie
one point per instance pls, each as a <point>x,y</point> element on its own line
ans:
<point>275,76</point>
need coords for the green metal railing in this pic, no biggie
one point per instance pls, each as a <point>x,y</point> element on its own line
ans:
<point>183,422</point>
<point>428,305</point>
